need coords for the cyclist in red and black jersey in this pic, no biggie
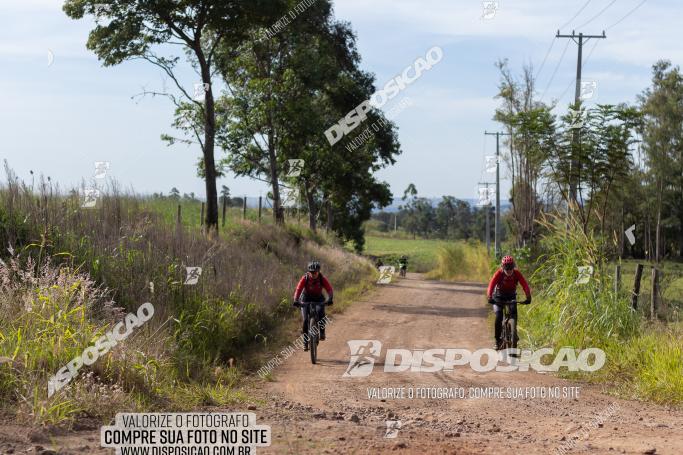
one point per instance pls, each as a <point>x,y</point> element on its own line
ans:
<point>503,288</point>
<point>310,289</point>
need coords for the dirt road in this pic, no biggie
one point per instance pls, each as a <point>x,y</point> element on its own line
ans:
<point>313,409</point>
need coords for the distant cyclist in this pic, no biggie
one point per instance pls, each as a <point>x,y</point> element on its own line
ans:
<point>403,265</point>
<point>503,288</point>
<point>310,289</point>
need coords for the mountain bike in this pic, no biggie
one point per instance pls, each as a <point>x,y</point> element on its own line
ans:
<point>508,336</point>
<point>313,328</point>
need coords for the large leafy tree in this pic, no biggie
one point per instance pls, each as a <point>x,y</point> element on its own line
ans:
<point>151,29</point>
<point>283,93</point>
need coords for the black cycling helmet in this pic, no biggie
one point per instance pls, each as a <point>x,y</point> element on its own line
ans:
<point>314,266</point>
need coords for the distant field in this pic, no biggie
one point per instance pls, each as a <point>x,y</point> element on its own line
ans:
<point>421,253</point>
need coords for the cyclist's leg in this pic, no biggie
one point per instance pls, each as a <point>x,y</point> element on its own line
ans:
<point>498,327</point>
<point>320,311</point>
<point>304,329</point>
<point>513,315</point>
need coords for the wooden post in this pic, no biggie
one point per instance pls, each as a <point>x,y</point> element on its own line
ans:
<point>225,204</point>
<point>636,286</point>
<point>178,219</point>
<point>655,294</point>
<point>617,278</point>
<point>260,205</point>
<point>201,217</point>
<point>244,208</point>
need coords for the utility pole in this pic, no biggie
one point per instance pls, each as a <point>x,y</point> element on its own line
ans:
<point>497,222</point>
<point>580,40</point>
<point>487,207</point>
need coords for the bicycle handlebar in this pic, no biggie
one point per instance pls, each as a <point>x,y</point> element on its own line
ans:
<point>510,302</point>
<point>303,304</point>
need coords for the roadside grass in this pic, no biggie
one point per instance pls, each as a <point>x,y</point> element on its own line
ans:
<point>73,273</point>
<point>422,253</point>
<point>462,261</point>
<point>644,360</point>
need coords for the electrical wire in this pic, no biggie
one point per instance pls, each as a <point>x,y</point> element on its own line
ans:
<point>597,15</point>
<point>552,43</point>
<point>555,71</point>
<point>623,18</point>
<point>627,14</point>
<point>575,15</point>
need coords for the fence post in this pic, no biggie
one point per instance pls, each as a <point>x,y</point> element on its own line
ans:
<point>201,217</point>
<point>178,219</point>
<point>225,204</point>
<point>260,200</point>
<point>244,208</point>
<point>636,286</point>
<point>655,294</point>
<point>617,278</point>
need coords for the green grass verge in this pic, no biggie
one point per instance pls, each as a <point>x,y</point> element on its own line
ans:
<point>644,360</point>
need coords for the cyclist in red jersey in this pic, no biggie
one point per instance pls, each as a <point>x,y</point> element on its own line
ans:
<point>310,289</point>
<point>503,288</point>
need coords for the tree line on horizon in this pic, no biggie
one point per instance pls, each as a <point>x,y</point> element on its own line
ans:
<point>449,219</point>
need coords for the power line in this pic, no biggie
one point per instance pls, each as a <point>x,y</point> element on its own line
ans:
<point>575,15</point>
<point>552,43</point>
<point>627,14</point>
<point>555,71</point>
<point>623,18</point>
<point>597,15</point>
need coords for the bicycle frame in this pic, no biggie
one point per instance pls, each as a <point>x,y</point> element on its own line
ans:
<point>313,328</point>
<point>509,329</point>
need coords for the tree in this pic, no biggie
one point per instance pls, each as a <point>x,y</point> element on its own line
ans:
<point>284,93</point>
<point>453,218</point>
<point>134,29</point>
<point>174,194</point>
<point>662,106</point>
<point>225,193</point>
<point>264,90</point>
<point>531,130</point>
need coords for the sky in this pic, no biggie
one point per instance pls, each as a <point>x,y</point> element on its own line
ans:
<point>62,110</point>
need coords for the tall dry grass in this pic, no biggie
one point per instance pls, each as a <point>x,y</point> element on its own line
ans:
<point>201,336</point>
<point>462,261</point>
<point>644,360</point>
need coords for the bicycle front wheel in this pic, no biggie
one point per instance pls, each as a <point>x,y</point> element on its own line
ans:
<point>513,333</point>
<point>313,339</point>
